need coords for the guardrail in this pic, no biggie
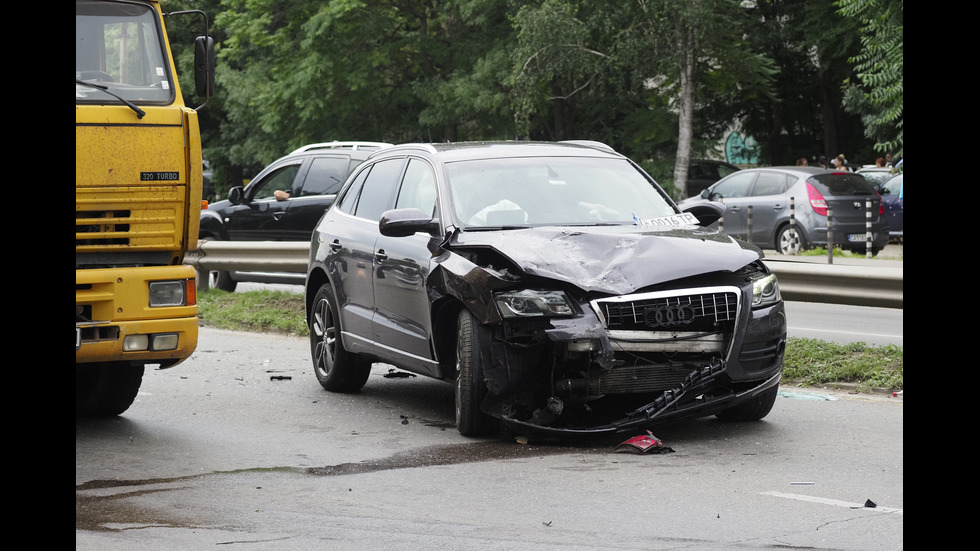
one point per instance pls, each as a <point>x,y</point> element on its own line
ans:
<point>864,285</point>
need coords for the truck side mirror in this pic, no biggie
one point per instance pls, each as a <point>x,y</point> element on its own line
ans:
<point>204,65</point>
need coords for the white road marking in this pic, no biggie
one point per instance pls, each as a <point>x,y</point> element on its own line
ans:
<point>835,502</point>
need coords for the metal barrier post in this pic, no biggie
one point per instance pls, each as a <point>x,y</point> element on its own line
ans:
<point>748,228</point>
<point>721,221</point>
<point>792,221</point>
<point>868,239</point>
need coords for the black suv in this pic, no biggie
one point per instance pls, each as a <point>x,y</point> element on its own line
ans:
<point>556,284</point>
<point>283,203</point>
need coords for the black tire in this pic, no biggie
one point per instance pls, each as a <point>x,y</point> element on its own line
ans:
<point>337,369</point>
<point>221,279</point>
<point>106,389</point>
<point>790,240</point>
<point>754,409</point>
<point>471,389</point>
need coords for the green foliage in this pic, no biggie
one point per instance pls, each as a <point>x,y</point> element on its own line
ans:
<point>811,362</point>
<point>877,93</point>
<point>267,311</point>
<point>294,72</point>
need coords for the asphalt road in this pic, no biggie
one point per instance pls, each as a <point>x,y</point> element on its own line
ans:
<point>239,446</point>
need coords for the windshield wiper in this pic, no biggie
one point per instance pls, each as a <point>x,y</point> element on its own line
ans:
<point>139,112</point>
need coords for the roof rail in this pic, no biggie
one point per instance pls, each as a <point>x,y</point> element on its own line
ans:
<point>342,145</point>
<point>589,143</point>
<point>427,147</point>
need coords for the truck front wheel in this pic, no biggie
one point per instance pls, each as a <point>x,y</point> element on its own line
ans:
<point>106,389</point>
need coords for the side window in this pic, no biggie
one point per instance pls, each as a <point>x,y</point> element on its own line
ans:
<point>379,188</point>
<point>326,176</point>
<point>725,170</point>
<point>737,185</point>
<point>418,188</point>
<point>282,180</point>
<point>347,201</point>
<point>769,183</point>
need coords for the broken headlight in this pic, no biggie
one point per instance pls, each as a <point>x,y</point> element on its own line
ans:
<point>533,303</point>
<point>765,290</point>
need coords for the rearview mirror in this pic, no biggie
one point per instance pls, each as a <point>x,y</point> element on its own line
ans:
<point>204,66</point>
<point>405,222</point>
<point>707,213</point>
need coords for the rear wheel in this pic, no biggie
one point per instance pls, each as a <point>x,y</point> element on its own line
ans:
<point>471,389</point>
<point>753,410</point>
<point>789,240</point>
<point>106,389</point>
<point>337,369</point>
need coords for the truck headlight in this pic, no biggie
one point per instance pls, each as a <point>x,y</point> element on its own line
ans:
<point>533,303</point>
<point>765,290</point>
<point>168,293</point>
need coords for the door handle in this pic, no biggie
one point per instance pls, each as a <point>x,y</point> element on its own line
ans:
<point>380,256</point>
<point>335,245</point>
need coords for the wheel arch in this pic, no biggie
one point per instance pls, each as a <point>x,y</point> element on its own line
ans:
<point>314,280</point>
<point>444,314</point>
<point>782,224</point>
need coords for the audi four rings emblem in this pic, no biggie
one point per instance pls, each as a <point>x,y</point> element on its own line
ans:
<point>664,316</point>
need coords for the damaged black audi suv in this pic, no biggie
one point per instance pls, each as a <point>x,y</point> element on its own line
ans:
<point>555,284</point>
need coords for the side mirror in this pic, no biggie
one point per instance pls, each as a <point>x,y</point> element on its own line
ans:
<point>707,213</point>
<point>204,65</point>
<point>236,195</point>
<point>405,222</point>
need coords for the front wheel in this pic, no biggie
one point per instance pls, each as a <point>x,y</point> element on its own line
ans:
<point>106,389</point>
<point>336,369</point>
<point>471,389</point>
<point>790,240</point>
<point>753,410</point>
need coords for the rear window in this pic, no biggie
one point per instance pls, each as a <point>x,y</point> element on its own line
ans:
<point>842,184</point>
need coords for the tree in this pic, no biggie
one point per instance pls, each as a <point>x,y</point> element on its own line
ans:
<point>878,95</point>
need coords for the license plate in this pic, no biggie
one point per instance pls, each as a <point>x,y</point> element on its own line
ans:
<point>855,237</point>
<point>78,338</point>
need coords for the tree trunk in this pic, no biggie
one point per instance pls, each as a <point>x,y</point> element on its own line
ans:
<point>686,113</point>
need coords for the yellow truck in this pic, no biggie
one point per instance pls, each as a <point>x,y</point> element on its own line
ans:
<point>138,180</point>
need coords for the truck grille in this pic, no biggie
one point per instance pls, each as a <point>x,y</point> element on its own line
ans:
<point>128,218</point>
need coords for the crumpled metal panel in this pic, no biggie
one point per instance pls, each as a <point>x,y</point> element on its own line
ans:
<point>613,260</point>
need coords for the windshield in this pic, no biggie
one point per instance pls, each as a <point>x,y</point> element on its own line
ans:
<point>842,184</point>
<point>535,191</point>
<point>118,48</point>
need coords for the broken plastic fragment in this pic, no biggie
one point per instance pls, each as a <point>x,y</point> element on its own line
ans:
<point>647,443</point>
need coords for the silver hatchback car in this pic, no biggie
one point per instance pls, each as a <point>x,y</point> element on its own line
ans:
<point>788,208</point>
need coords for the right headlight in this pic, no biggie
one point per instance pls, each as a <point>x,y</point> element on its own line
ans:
<point>765,290</point>
<point>533,303</point>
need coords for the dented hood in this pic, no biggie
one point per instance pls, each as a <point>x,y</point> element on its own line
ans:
<point>614,259</point>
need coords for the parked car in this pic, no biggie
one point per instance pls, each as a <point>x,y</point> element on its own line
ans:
<point>306,181</point>
<point>875,175</point>
<point>556,284</point>
<point>702,173</point>
<point>805,195</point>
<point>893,198</point>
